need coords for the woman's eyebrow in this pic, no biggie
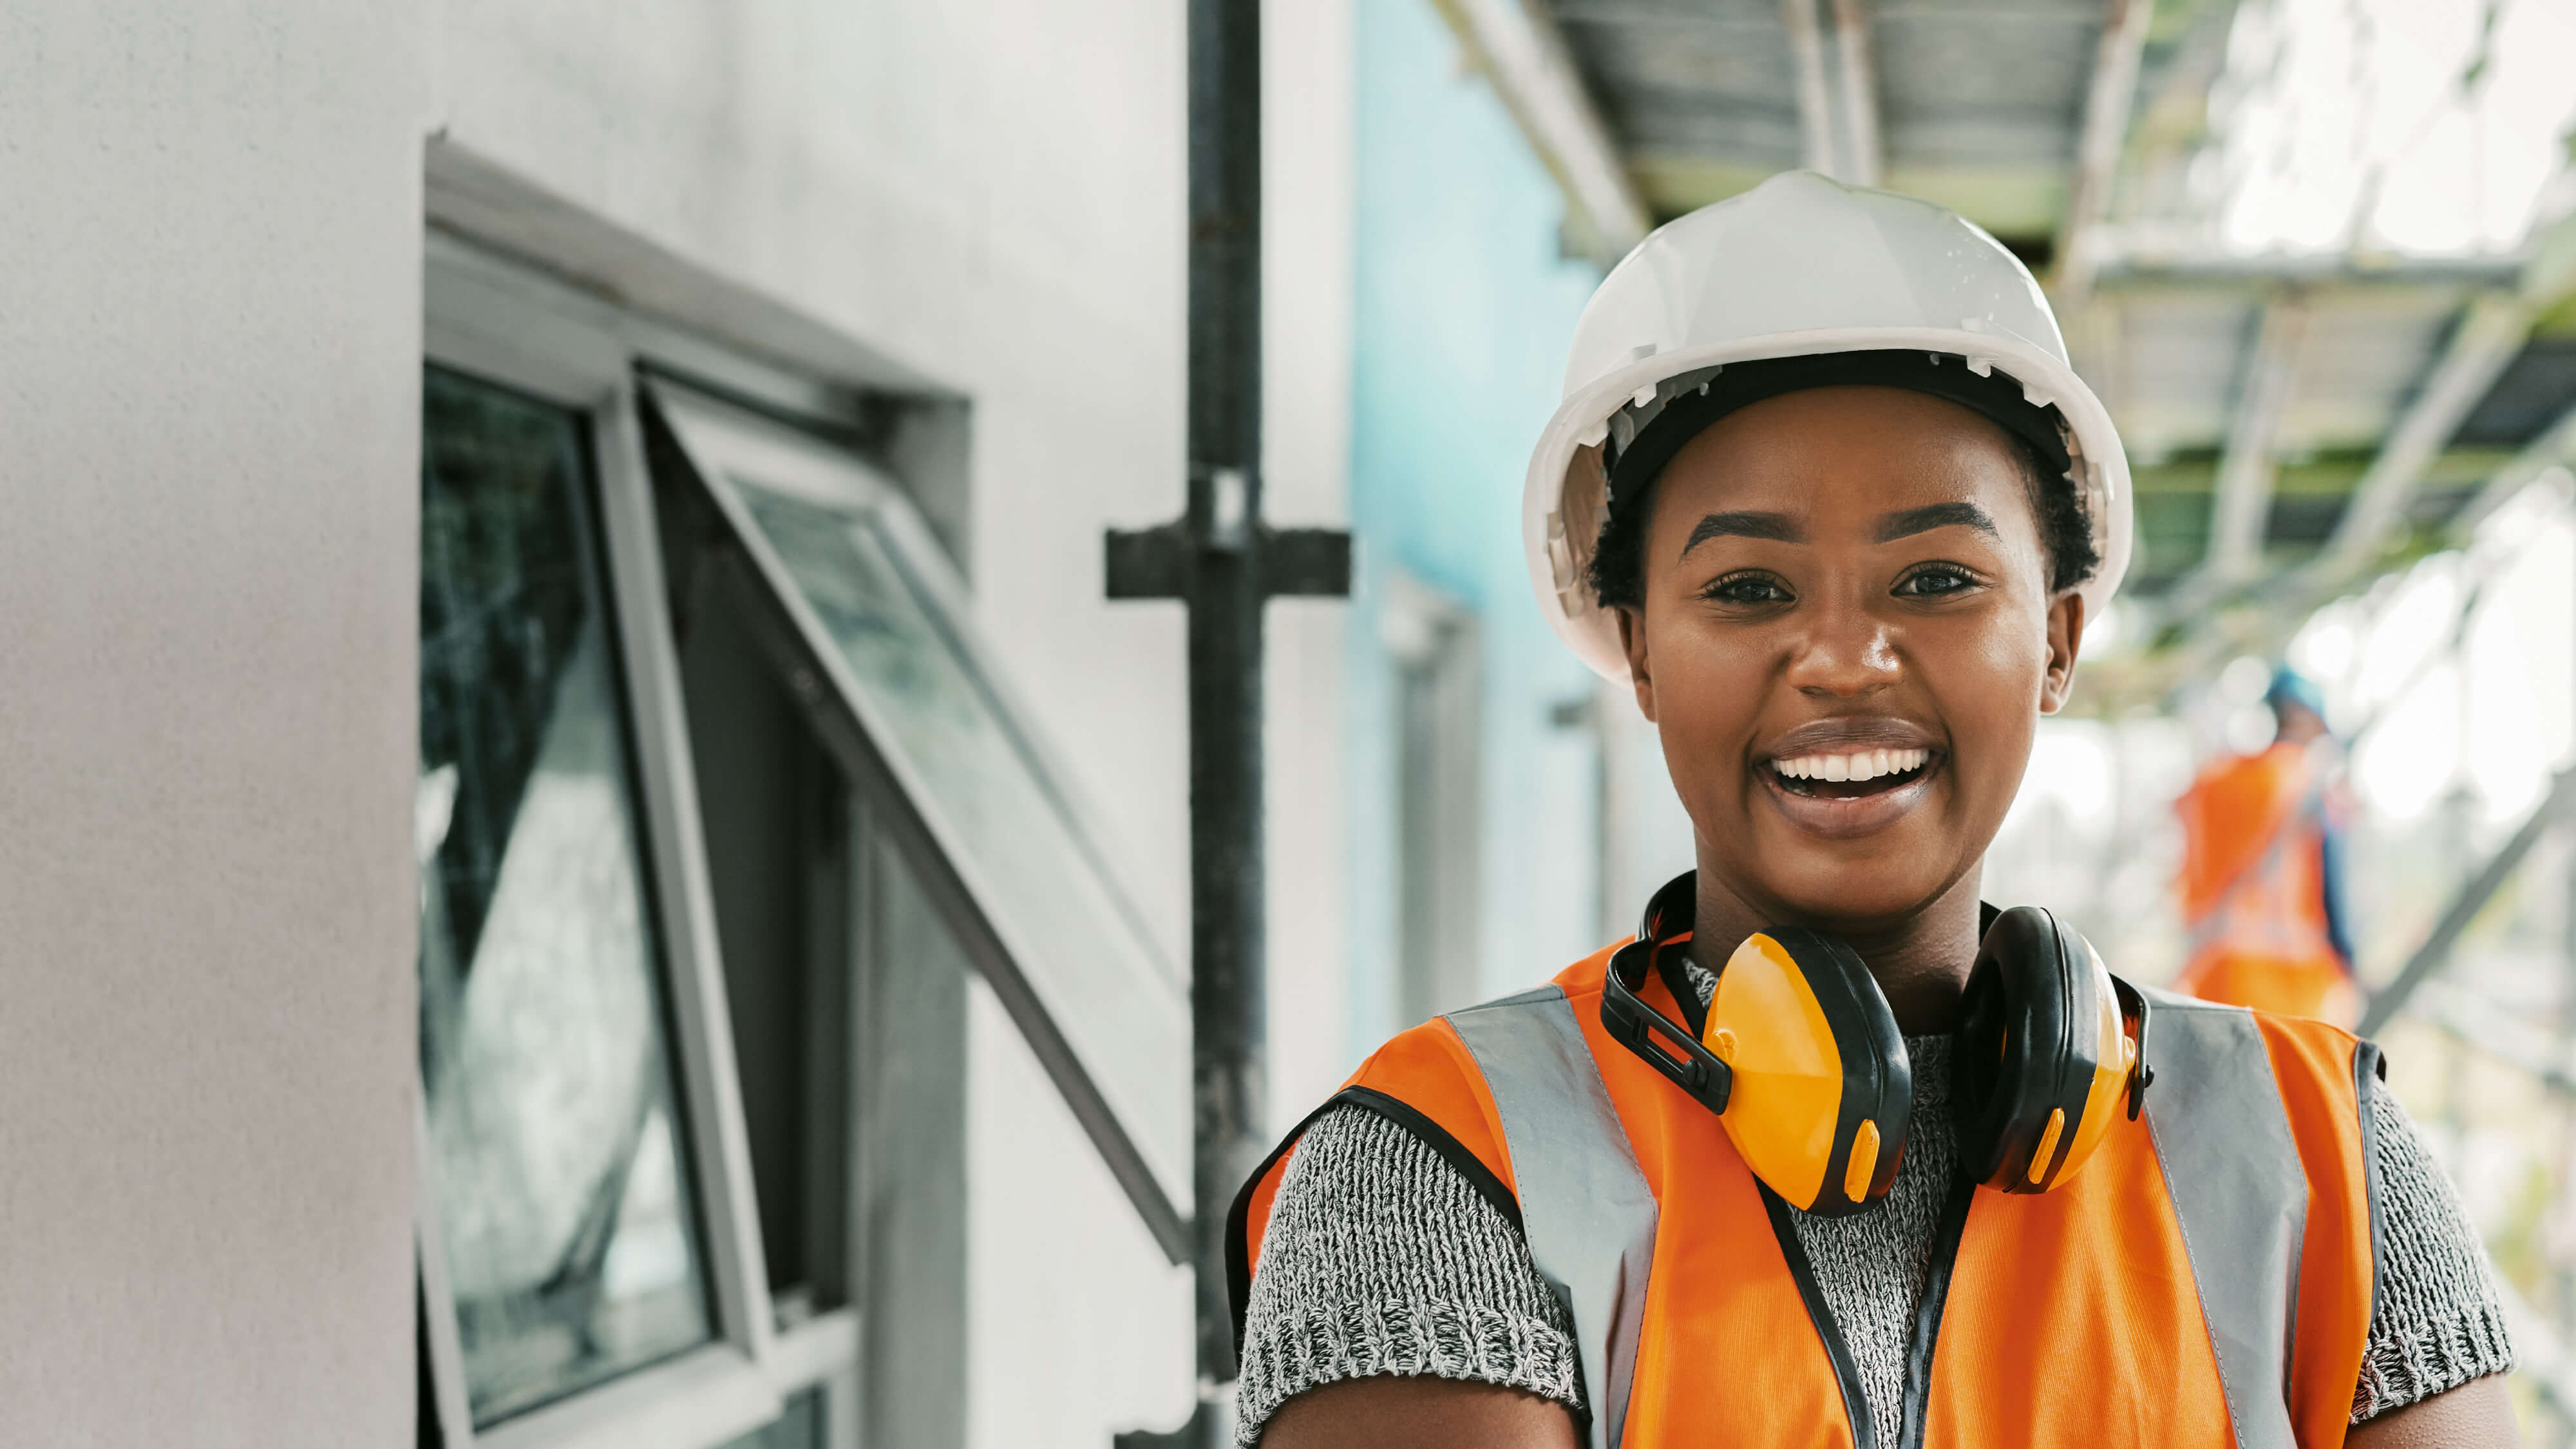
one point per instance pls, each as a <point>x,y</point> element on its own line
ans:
<point>1909,521</point>
<point>1778,527</point>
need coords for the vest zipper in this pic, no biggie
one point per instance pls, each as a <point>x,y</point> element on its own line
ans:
<point>1927,1314</point>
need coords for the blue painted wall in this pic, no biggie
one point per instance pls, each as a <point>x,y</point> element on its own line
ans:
<point>1465,308</point>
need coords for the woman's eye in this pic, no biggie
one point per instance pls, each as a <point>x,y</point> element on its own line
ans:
<point>1748,589</point>
<point>1931,583</point>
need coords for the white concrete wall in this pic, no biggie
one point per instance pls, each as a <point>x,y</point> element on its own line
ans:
<point>209,400</point>
<point>990,193</point>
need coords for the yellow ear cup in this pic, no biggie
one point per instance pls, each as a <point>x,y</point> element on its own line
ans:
<point>1788,1072</point>
<point>2114,1055</point>
<point>1821,1087</point>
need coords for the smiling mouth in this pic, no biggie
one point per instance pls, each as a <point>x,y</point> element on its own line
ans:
<point>1851,774</point>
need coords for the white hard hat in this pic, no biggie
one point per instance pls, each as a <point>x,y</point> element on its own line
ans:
<point>1799,266</point>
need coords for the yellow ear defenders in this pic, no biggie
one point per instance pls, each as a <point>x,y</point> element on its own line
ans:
<point>1800,1058</point>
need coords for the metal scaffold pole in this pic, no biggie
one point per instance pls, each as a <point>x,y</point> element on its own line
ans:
<point>1224,563</point>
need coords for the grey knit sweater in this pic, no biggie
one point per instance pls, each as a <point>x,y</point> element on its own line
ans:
<point>1380,1259</point>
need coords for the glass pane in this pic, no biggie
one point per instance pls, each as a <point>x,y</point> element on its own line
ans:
<point>563,1191</point>
<point>800,1427</point>
<point>926,700</point>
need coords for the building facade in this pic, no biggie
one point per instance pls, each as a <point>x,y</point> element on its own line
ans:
<point>475,465</point>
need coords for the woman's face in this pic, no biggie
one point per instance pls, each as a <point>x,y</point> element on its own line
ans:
<point>1846,642</point>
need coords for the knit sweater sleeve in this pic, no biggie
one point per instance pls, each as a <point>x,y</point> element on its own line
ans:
<point>2437,1317</point>
<point>1381,1259</point>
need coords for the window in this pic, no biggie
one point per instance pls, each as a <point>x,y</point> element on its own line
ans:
<point>565,1202</point>
<point>848,1002</point>
<point>854,599</point>
<point>719,801</point>
<point>777,820</point>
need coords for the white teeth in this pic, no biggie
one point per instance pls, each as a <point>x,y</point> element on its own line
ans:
<point>1858,765</point>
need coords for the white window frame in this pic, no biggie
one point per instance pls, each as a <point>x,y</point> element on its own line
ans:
<point>490,319</point>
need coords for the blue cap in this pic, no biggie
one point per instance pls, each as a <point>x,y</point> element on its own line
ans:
<point>2289,686</point>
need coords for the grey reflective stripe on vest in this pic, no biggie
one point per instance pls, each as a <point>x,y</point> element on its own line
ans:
<point>1585,1208</point>
<point>2232,1169</point>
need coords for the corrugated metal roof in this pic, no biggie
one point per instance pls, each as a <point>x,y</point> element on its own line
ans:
<point>1979,102</point>
<point>1982,105</point>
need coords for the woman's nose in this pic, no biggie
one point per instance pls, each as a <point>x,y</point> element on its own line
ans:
<point>1847,654</point>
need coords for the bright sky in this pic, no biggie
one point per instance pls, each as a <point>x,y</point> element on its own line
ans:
<point>2427,126</point>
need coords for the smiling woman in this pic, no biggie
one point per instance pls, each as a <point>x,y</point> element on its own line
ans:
<point>1832,1152</point>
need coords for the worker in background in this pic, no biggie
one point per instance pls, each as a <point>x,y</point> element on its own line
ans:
<point>2262,872</point>
<point>1831,1153</point>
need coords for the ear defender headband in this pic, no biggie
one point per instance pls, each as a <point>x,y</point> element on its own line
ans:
<point>1800,1058</point>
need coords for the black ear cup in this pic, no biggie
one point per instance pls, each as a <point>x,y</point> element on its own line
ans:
<point>2026,1057</point>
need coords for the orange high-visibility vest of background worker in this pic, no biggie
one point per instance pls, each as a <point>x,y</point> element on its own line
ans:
<point>2262,871</point>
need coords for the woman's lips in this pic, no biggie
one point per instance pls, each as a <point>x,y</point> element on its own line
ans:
<point>1841,816</point>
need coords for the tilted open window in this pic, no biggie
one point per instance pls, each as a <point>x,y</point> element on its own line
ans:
<point>849,594</point>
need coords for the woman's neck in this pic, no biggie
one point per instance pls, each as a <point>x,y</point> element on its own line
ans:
<point>1921,959</point>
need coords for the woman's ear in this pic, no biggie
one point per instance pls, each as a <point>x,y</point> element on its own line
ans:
<point>1632,640</point>
<point>2065,636</point>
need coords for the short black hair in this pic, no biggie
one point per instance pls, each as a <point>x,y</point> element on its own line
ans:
<point>2065,530</point>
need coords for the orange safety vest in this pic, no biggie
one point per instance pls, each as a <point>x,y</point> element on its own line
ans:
<point>2253,889</point>
<point>2206,1279</point>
